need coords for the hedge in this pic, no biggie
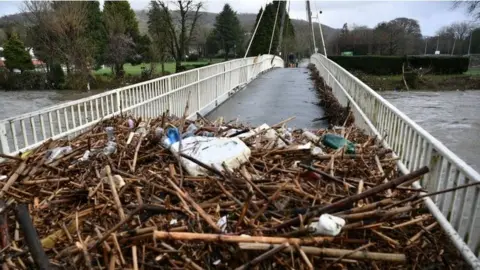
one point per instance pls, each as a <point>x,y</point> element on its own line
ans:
<point>391,65</point>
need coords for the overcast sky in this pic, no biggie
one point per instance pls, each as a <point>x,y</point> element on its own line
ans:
<point>431,14</point>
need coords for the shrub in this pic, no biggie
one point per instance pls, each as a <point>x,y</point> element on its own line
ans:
<point>28,80</point>
<point>391,65</point>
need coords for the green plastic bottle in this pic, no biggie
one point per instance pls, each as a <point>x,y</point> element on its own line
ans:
<point>336,142</point>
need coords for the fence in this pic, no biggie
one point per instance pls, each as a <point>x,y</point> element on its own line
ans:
<point>457,212</point>
<point>204,88</point>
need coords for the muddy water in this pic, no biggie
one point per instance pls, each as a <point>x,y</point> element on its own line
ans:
<point>18,102</point>
<point>452,117</point>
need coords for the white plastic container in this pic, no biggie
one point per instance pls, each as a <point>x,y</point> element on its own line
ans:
<point>211,151</point>
<point>328,225</point>
<point>310,136</point>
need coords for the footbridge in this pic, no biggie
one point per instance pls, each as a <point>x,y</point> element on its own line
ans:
<point>258,90</point>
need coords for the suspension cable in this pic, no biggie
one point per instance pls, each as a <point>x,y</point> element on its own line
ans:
<point>320,27</point>
<point>255,31</point>
<point>274,27</point>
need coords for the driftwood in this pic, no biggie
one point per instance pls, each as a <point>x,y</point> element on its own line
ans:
<point>136,208</point>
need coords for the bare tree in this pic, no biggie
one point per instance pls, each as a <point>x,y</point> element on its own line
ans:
<point>473,7</point>
<point>59,32</point>
<point>181,27</point>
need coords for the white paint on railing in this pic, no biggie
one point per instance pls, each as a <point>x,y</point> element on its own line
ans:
<point>207,87</point>
<point>458,212</point>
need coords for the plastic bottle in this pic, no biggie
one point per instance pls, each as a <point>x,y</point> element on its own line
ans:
<point>57,152</point>
<point>172,137</point>
<point>336,141</point>
<point>110,133</point>
<point>310,136</point>
<point>110,148</point>
<point>191,129</point>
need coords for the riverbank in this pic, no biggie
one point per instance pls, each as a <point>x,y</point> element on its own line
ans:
<point>466,81</point>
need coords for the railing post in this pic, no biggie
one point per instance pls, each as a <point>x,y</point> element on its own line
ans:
<point>119,104</point>
<point>198,89</point>
<point>4,149</point>
<point>169,96</point>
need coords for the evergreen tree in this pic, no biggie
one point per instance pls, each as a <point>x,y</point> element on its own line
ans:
<point>158,30</point>
<point>16,57</point>
<point>96,32</point>
<point>212,44</point>
<point>228,30</point>
<point>261,41</point>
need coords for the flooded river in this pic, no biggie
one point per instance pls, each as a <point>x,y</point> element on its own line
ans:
<point>452,117</point>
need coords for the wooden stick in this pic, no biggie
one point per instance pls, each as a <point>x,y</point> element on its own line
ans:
<point>189,199</point>
<point>107,234</point>
<point>326,175</point>
<point>210,237</point>
<point>263,257</point>
<point>135,257</point>
<point>117,247</point>
<point>417,236</point>
<point>113,188</point>
<point>344,202</point>
<point>386,238</point>
<point>13,178</point>
<point>334,252</point>
<point>304,256</point>
<point>345,255</point>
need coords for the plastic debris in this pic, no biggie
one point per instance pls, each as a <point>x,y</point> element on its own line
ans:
<point>58,152</point>
<point>213,151</point>
<point>222,223</point>
<point>328,225</point>
<point>335,141</point>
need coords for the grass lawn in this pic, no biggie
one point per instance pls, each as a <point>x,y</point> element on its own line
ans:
<point>137,70</point>
<point>473,71</point>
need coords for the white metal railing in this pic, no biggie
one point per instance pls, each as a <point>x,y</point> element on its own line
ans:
<point>207,87</point>
<point>458,212</point>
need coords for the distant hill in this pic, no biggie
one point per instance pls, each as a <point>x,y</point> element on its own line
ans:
<point>206,23</point>
<point>247,20</point>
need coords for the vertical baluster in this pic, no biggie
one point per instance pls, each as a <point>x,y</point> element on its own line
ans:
<point>72,113</point>
<point>50,124</point>
<point>96,109</point>
<point>92,117</point>
<point>65,117</point>
<point>458,200</point>
<point>444,177</point>
<point>473,218</point>
<point>13,132</point>
<point>24,133</point>
<point>79,114</point>
<point>413,151</point>
<point>59,121</point>
<point>42,127</point>
<point>34,129</point>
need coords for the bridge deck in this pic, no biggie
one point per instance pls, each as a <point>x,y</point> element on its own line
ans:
<point>273,97</point>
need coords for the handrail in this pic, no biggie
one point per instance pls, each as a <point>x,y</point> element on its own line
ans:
<point>458,212</point>
<point>208,87</point>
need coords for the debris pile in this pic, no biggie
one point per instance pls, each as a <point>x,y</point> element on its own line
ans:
<point>144,195</point>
